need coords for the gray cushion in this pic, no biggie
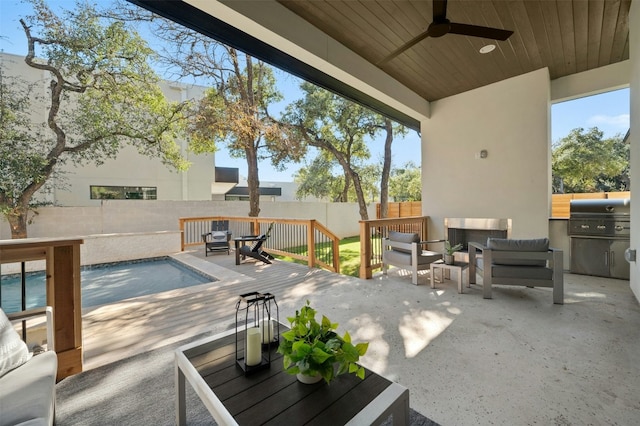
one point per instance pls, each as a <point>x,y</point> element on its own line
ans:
<point>503,244</point>
<point>403,237</point>
<point>530,272</point>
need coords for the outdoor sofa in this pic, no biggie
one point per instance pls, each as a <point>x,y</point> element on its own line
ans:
<point>27,381</point>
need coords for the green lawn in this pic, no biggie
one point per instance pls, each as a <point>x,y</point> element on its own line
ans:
<point>349,256</point>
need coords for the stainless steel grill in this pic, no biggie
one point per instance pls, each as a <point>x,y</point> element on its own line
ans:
<point>600,232</point>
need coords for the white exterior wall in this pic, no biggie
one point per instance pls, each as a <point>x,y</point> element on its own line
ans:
<point>634,49</point>
<point>510,119</point>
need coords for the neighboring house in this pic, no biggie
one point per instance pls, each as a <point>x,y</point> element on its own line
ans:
<point>135,176</point>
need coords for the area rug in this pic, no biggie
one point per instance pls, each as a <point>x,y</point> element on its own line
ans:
<point>137,391</point>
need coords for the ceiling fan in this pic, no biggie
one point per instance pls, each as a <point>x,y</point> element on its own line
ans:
<point>441,26</point>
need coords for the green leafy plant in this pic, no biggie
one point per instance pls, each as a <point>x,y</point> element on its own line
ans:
<point>313,348</point>
<point>449,249</point>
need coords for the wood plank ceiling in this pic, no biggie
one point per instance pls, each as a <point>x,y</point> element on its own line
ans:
<point>567,36</point>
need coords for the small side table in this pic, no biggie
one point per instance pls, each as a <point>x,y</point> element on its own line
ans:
<point>459,267</point>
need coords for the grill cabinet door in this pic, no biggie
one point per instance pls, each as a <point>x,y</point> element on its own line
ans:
<point>619,267</point>
<point>590,256</point>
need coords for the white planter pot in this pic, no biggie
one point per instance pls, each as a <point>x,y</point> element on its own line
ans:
<point>308,380</point>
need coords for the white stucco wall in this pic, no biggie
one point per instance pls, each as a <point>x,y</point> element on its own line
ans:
<point>634,49</point>
<point>134,169</point>
<point>510,119</point>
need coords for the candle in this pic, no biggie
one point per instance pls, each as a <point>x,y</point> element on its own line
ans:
<point>253,349</point>
<point>266,330</point>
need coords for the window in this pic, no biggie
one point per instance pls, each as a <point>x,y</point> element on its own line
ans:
<point>124,192</point>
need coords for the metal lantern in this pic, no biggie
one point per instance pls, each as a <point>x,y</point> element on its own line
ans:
<point>251,354</point>
<point>270,323</point>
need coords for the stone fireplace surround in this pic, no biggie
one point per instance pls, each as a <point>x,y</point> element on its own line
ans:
<point>477,230</point>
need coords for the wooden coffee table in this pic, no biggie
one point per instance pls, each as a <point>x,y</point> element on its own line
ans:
<point>271,396</point>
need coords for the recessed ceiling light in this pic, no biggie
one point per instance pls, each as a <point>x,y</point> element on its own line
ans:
<point>488,48</point>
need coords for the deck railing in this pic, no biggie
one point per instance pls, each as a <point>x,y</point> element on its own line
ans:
<point>301,239</point>
<point>62,257</point>
<point>373,231</point>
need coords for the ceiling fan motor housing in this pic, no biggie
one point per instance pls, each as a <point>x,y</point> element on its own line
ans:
<point>439,28</point>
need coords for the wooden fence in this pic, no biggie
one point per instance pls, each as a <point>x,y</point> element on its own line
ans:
<point>404,209</point>
<point>559,204</point>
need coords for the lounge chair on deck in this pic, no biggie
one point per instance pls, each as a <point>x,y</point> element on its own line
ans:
<point>218,240</point>
<point>255,251</point>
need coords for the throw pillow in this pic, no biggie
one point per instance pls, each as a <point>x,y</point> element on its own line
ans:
<point>13,351</point>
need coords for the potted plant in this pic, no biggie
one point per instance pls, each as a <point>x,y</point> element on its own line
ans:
<point>449,250</point>
<point>314,351</point>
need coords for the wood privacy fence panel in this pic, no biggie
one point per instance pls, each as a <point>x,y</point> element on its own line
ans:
<point>559,204</point>
<point>404,209</point>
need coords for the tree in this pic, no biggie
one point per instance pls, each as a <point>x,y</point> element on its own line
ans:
<point>235,111</point>
<point>390,131</point>
<point>406,183</point>
<point>585,162</point>
<point>318,179</point>
<point>338,127</point>
<point>102,95</point>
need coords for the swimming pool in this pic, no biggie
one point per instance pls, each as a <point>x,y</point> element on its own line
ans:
<point>107,283</point>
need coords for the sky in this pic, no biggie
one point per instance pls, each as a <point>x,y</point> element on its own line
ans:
<point>609,111</point>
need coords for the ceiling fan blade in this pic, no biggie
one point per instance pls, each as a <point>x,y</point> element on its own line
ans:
<point>478,31</point>
<point>408,45</point>
<point>439,10</point>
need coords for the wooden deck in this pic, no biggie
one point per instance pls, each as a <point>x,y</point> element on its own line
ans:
<point>119,330</point>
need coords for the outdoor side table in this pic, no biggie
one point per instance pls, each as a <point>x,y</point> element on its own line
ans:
<point>458,267</point>
<point>271,396</point>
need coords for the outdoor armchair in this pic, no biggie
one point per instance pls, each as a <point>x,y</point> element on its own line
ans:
<point>404,250</point>
<point>530,263</point>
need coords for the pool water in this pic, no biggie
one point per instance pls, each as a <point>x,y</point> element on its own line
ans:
<point>106,283</point>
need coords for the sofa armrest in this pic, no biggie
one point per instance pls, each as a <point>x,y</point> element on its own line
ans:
<point>477,246</point>
<point>46,311</point>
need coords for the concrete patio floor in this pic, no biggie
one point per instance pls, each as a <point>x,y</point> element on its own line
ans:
<point>516,359</point>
